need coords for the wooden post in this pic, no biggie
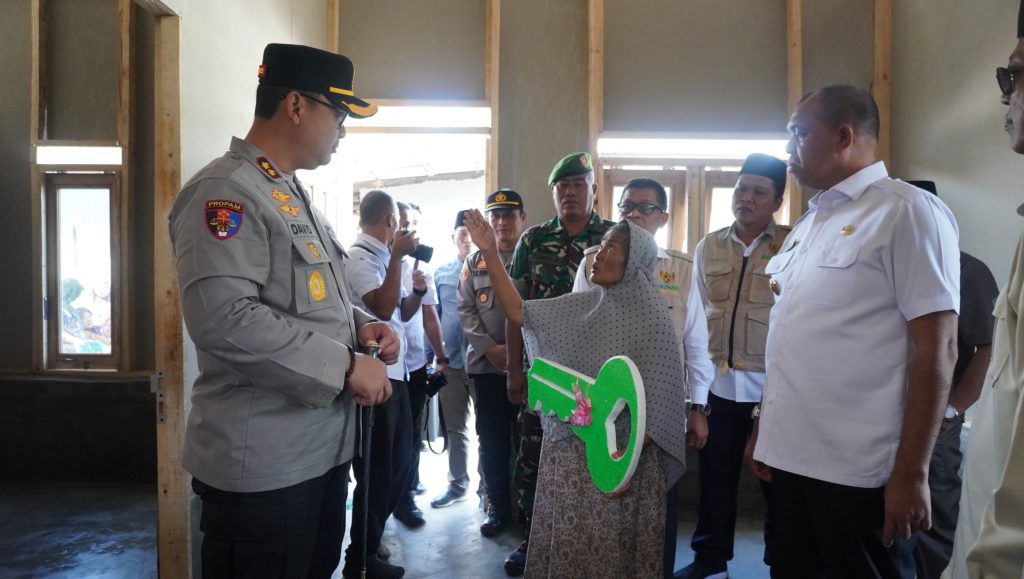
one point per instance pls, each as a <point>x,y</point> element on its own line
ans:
<point>881,87</point>
<point>595,98</point>
<point>794,88</point>
<point>333,26</point>
<point>37,112</point>
<point>173,527</point>
<point>492,78</point>
<point>122,270</point>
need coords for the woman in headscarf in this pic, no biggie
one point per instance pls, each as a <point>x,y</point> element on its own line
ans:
<point>579,531</point>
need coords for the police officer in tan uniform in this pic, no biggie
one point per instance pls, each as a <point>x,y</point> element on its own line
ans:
<point>263,293</point>
<point>645,203</point>
<point>736,292</point>
<point>483,323</point>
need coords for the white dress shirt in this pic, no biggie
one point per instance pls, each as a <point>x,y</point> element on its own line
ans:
<point>870,254</point>
<point>415,347</point>
<point>366,273</point>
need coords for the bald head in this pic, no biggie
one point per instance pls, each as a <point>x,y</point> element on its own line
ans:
<point>842,104</point>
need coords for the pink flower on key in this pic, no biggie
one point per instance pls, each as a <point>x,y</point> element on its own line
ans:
<point>580,416</point>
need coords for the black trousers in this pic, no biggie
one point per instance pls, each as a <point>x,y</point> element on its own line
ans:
<point>390,461</point>
<point>721,464</point>
<point>418,408</point>
<point>668,560</point>
<point>829,530</point>
<point>296,531</point>
<point>495,427</point>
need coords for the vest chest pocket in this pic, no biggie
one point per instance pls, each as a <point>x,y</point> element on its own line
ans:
<point>718,278</point>
<point>757,331</point>
<point>760,291</point>
<point>832,276</point>
<point>314,287</point>
<point>1000,355</point>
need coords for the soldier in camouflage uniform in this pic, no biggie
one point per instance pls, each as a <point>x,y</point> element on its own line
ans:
<point>544,266</point>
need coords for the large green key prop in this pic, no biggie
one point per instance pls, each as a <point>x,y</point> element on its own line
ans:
<point>591,406</point>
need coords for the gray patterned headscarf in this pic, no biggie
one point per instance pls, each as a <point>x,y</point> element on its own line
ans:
<point>584,330</point>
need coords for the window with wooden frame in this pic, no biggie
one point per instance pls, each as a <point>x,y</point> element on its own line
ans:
<point>82,299</point>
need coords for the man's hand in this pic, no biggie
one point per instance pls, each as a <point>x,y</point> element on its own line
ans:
<point>696,430</point>
<point>419,280</point>
<point>760,469</point>
<point>369,381</point>
<point>384,335</point>
<point>479,230</point>
<point>516,384</point>
<point>907,507</point>
<point>498,356</point>
<point>441,368</point>
<point>404,243</point>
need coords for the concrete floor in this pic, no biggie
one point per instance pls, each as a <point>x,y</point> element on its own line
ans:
<point>109,530</point>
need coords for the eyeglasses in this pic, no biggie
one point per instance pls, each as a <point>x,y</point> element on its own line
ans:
<point>339,114</point>
<point>1006,77</point>
<point>645,208</point>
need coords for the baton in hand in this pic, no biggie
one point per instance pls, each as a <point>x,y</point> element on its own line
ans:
<point>373,350</point>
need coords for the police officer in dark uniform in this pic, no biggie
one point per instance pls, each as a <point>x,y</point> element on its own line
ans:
<point>273,423</point>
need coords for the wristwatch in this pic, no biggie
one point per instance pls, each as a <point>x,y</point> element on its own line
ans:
<point>704,409</point>
<point>756,412</point>
<point>419,292</point>
<point>951,412</point>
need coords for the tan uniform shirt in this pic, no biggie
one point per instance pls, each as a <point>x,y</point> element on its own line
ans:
<point>989,539</point>
<point>483,320</point>
<point>264,298</point>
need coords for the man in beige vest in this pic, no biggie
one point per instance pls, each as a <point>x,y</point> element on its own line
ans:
<point>645,202</point>
<point>989,539</point>
<point>738,298</point>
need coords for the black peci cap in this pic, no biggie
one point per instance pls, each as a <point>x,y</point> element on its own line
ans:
<point>310,69</point>
<point>766,166</point>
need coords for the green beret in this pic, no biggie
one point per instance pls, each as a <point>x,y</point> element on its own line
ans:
<point>574,164</point>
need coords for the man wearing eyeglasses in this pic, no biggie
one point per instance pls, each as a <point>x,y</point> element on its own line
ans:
<point>735,290</point>
<point>645,202</point>
<point>265,298</point>
<point>989,538</point>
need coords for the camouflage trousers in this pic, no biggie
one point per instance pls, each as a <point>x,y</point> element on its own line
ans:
<point>527,463</point>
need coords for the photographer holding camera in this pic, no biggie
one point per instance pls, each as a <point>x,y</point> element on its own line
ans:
<point>423,323</point>
<point>375,278</point>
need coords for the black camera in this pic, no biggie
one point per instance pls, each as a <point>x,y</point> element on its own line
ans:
<point>435,382</point>
<point>423,253</point>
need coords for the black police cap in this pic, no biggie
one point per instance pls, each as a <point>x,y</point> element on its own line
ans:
<point>311,69</point>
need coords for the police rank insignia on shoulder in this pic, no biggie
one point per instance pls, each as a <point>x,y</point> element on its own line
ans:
<point>280,195</point>
<point>667,276</point>
<point>264,164</point>
<point>223,217</point>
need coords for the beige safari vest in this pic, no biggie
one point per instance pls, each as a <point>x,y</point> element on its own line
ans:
<point>673,276</point>
<point>739,299</point>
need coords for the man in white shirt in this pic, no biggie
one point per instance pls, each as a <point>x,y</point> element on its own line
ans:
<point>423,325</point>
<point>734,288</point>
<point>861,349</point>
<point>645,203</point>
<point>375,278</point>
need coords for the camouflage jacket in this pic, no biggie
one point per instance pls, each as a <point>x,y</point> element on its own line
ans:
<point>547,256</point>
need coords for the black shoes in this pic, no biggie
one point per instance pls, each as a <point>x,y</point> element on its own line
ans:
<point>451,496</point>
<point>495,522</point>
<point>515,563</point>
<point>409,514</point>
<point>375,569</point>
<point>702,570</point>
